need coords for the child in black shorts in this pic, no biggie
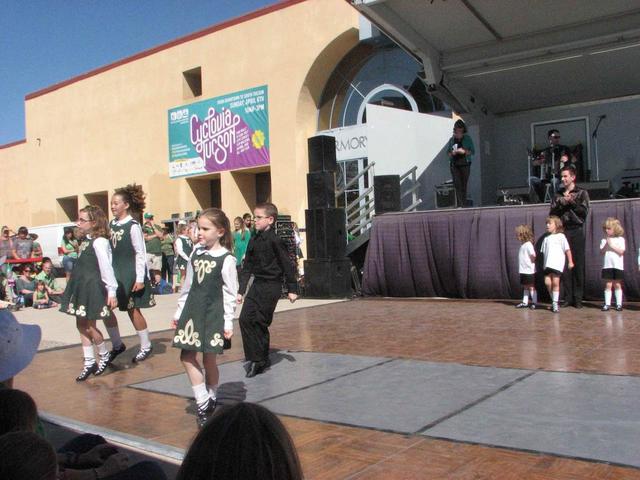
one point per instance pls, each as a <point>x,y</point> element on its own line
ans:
<point>612,249</point>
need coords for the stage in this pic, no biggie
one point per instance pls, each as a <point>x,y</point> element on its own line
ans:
<point>473,253</point>
<point>391,389</point>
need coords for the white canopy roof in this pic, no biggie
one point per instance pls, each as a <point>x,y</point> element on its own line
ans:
<point>498,56</point>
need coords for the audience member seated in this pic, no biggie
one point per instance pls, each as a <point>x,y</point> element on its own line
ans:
<point>46,275</point>
<point>242,441</point>
<point>41,297</point>
<point>22,244</point>
<point>5,302</point>
<point>31,457</point>
<point>85,456</point>
<point>25,284</point>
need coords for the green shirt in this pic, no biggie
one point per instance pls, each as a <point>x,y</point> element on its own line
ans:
<point>71,245</point>
<point>153,246</point>
<point>240,244</point>
<point>167,245</point>
<point>48,280</point>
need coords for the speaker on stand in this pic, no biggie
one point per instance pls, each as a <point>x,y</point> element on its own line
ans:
<point>322,153</point>
<point>386,193</point>
<point>327,270</point>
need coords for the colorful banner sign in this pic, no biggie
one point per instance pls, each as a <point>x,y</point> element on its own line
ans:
<point>222,133</point>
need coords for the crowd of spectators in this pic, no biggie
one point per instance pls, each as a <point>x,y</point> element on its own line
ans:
<point>26,277</point>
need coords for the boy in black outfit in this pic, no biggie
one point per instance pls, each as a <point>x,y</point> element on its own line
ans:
<point>267,260</point>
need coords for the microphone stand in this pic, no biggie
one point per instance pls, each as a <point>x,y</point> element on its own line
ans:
<point>594,135</point>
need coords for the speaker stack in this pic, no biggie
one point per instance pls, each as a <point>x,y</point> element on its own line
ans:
<point>386,193</point>
<point>327,271</point>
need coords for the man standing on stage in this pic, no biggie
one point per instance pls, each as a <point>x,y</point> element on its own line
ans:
<point>550,161</point>
<point>571,204</point>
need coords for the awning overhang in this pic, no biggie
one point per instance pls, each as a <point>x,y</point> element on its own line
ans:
<point>501,56</point>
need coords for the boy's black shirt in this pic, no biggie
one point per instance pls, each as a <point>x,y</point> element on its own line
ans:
<point>267,259</point>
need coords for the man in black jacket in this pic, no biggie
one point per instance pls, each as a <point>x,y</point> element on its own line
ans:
<point>572,206</point>
<point>268,261</point>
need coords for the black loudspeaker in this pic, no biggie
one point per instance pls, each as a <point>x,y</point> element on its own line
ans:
<point>445,196</point>
<point>322,153</point>
<point>327,278</point>
<point>321,189</point>
<point>599,190</point>
<point>386,193</point>
<point>326,236</point>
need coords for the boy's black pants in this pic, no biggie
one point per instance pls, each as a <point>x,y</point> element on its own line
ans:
<point>573,280</point>
<point>256,317</point>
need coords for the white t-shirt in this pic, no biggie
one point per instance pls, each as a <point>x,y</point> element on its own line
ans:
<point>611,258</point>
<point>525,265</point>
<point>554,247</point>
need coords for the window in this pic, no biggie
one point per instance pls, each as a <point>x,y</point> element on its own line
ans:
<point>192,84</point>
<point>363,71</point>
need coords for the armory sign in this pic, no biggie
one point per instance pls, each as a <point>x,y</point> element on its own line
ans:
<point>351,142</point>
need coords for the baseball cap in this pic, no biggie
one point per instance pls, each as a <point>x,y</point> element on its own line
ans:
<point>148,215</point>
<point>18,345</point>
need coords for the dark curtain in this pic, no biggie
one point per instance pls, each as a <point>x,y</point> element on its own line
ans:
<point>474,253</point>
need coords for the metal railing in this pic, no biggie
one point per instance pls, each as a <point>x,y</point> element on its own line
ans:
<point>359,212</point>
<point>413,190</point>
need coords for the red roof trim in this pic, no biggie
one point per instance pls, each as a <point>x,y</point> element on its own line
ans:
<point>215,28</point>
<point>13,144</point>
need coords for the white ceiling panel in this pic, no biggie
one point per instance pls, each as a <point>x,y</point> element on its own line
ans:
<point>513,55</point>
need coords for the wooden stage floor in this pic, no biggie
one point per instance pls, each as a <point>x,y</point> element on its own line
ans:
<point>468,333</point>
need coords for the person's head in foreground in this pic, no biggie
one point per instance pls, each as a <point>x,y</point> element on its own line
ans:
<point>31,457</point>
<point>240,442</point>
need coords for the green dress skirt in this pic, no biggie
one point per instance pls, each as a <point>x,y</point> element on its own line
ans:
<point>201,324</point>
<point>124,267</point>
<point>86,295</point>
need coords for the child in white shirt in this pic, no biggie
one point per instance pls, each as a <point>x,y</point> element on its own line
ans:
<point>554,247</point>
<point>527,267</point>
<point>612,248</point>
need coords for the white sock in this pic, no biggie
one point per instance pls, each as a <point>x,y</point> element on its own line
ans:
<point>213,391</point>
<point>89,355</point>
<point>102,349</point>
<point>555,296</point>
<point>618,293</point>
<point>607,297</point>
<point>145,343</point>
<point>201,394</point>
<point>114,335</point>
<point>534,296</point>
<point>525,297</point>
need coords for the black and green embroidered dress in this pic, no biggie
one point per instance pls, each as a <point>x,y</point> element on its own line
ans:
<point>86,293</point>
<point>201,323</point>
<point>124,267</point>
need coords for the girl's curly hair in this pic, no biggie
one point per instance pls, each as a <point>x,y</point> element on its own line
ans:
<point>133,195</point>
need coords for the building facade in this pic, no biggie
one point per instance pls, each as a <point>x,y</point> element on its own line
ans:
<point>96,132</point>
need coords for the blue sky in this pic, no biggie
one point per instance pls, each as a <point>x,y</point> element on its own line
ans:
<point>43,42</point>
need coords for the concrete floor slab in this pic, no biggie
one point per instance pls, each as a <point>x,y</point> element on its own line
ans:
<point>290,371</point>
<point>399,396</point>
<point>576,415</point>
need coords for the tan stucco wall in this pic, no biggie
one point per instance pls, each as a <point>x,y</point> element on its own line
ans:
<point>111,129</point>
